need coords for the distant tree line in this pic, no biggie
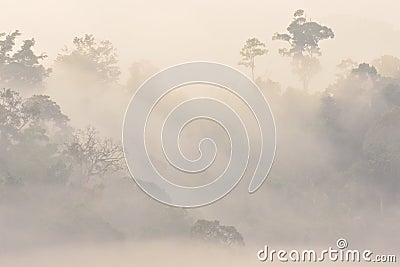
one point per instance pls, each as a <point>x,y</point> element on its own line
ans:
<point>356,121</point>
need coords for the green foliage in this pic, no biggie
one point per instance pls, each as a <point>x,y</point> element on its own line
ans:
<point>251,49</point>
<point>20,68</point>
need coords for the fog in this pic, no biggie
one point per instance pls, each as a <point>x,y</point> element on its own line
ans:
<point>168,33</point>
<point>336,171</point>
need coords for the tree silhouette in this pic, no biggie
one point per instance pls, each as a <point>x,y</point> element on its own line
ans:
<point>251,49</point>
<point>20,68</point>
<point>303,37</point>
<point>214,232</point>
<point>98,58</point>
<point>95,156</point>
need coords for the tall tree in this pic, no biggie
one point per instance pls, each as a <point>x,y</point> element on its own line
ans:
<point>99,58</point>
<point>20,68</point>
<point>251,49</point>
<point>303,38</point>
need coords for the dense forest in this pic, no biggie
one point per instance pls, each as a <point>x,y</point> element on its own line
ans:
<point>336,170</point>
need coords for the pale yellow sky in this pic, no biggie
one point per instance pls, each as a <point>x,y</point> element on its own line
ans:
<point>170,32</point>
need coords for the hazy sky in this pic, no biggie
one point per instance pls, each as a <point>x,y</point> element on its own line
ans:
<point>170,32</point>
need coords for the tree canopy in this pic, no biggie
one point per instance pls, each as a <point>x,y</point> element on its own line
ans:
<point>21,68</point>
<point>251,49</point>
<point>214,232</point>
<point>303,37</point>
<point>95,57</point>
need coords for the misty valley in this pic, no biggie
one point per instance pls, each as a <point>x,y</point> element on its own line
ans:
<point>67,197</point>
